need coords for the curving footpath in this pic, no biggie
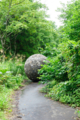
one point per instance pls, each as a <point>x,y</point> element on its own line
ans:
<point>34,106</point>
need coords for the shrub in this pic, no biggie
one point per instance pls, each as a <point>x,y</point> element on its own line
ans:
<point>48,87</point>
<point>55,69</point>
<point>64,92</point>
<point>71,54</point>
<point>12,74</point>
<point>65,69</point>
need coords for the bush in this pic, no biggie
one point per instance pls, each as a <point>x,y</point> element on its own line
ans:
<point>64,66</point>
<point>55,69</point>
<point>12,74</point>
<point>71,54</point>
<point>66,92</point>
<point>65,69</point>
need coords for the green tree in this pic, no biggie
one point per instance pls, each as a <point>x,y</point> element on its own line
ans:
<point>23,27</point>
<point>70,15</point>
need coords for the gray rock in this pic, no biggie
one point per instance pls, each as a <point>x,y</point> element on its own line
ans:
<point>32,64</point>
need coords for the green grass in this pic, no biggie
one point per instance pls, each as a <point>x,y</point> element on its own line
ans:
<point>4,98</point>
<point>11,77</point>
<point>2,115</point>
<point>78,112</point>
<point>4,102</point>
<point>63,92</point>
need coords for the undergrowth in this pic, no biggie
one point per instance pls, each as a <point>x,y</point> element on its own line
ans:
<point>64,68</point>
<point>63,92</point>
<point>11,77</point>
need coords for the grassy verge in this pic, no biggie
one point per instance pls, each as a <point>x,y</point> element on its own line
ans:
<point>64,92</point>
<point>4,102</point>
<point>11,77</point>
<point>78,113</point>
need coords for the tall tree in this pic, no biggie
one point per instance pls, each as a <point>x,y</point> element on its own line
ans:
<point>70,15</point>
<point>23,27</point>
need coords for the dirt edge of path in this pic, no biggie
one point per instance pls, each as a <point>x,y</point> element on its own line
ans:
<point>15,113</point>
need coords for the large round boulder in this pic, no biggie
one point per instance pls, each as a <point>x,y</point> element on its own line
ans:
<point>32,64</point>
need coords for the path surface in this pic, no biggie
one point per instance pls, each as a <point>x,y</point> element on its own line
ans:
<point>34,106</point>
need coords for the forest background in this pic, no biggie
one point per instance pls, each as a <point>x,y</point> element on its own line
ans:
<point>24,30</point>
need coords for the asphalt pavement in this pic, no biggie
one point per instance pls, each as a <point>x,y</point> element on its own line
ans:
<point>34,106</point>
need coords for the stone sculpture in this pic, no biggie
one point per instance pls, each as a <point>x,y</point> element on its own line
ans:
<point>32,64</point>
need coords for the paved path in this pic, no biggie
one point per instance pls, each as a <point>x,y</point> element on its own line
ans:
<point>34,106</point>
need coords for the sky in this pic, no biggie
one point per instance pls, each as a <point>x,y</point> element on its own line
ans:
<point>53,5</point>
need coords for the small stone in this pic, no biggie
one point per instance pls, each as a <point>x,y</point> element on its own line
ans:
<point>19,116</point>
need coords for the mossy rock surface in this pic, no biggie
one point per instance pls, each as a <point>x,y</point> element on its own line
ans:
<point>32,64</point>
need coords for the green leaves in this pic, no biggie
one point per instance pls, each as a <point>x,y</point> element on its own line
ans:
<point>16,27</point>
<point>12,76</point>
<point>64,63</point>
<point>65,92</point>
<point>55,69</point>
<point>71,19</point>
<point>23,23</point>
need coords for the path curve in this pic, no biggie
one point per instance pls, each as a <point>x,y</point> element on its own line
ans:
<point>34,106</point>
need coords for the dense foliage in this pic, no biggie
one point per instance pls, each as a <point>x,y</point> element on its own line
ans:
<point>70,15</point>
<point>64,64</point>
<point>11,77</point>
<point>24,30</point>
<point>23,27</point>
